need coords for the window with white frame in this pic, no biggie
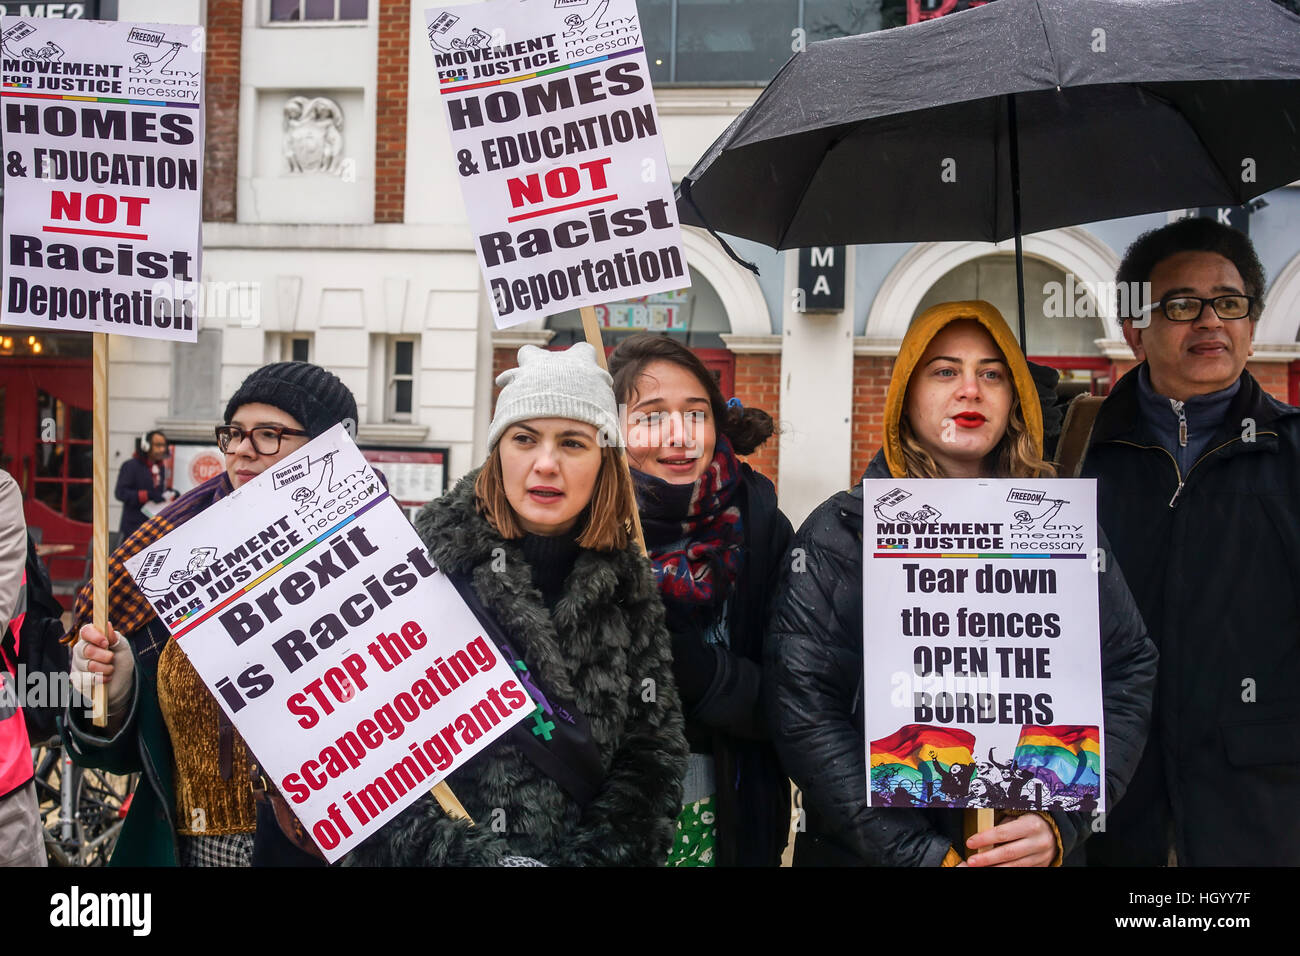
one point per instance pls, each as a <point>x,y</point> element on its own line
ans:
<point>317,11</point>
<point>399,400</point>
<point>296,347</point>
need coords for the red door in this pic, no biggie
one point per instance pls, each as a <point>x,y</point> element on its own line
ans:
<point>45,408</point>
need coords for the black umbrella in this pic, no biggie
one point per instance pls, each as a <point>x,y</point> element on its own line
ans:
<point>1014,117</point>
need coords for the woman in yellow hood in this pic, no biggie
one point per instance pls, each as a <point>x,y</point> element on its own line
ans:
<point>961,401</point>
<point>961,404</point>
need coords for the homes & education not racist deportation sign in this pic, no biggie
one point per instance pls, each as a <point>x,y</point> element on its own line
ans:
<point>103,157</point>
<point>556,141</point>
<point>981,644</point>
<point>347,661</point>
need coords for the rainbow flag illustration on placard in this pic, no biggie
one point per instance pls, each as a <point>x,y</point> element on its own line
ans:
<point>1064,757</point>
<point>911,765</point>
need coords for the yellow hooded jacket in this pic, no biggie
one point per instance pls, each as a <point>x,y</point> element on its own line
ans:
<point>922,331</point>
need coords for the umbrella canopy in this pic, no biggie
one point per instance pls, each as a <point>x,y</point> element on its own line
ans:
<point>1112,107</point>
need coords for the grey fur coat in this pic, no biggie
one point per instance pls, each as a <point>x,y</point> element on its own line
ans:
<point>607,651</point>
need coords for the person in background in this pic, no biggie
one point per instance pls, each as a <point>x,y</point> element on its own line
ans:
<point>193,806</point>
<point>1198,487</point>
<point>22,841</point>
<point>718,543</point>
<point>143,478</point>
<point>961,404</point>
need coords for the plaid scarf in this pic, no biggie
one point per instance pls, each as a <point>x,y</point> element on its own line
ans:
<point>128,609</point>
<point>694,532</point>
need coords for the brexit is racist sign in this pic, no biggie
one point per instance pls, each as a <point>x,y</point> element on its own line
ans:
<point>103,153</point>
<point>346,659</point>
<point>556,140</point>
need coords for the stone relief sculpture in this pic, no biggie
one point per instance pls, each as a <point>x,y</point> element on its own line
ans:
<point>313,134</point>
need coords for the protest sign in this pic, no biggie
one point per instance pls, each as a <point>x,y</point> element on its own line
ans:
<point>103,144</point>
<point>981,649</point>
<point>556,139</point>
<point>347,661</point>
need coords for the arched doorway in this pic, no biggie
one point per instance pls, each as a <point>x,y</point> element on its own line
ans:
<point>1063,315</point>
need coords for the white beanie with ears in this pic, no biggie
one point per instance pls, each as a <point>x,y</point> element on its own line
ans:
<point>566,384</point>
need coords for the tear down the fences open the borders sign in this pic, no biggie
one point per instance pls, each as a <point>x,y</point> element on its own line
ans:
<point>348,662</point>
<point>556,141</point>
<point>103,159</point>
<point>981,648</point>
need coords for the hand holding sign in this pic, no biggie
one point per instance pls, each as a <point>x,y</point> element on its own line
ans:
<point>1025,840</point>
<point>100,659</point>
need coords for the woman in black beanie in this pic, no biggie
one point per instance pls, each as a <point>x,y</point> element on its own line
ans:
<point>194,806</point>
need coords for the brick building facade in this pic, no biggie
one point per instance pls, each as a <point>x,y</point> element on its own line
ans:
<point>370,269</point>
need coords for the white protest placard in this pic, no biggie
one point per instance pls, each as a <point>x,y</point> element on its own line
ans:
<point>556,139</point>
<point>103,174</point>
<point>981,647</point>
<point>348,662</point>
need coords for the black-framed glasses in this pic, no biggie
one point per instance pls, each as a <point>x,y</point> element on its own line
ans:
<point>1187,308</point>
<point>265,438</point>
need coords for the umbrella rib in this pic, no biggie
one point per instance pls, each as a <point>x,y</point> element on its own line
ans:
<point>745,116</point>
<point>1214,160</point>
<point>780,243</point>
<point>1051,54</point>
<point>997,169</point>
<point>1227,180</point>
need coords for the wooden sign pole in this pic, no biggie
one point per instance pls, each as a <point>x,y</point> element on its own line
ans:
<point>977,821</point>
<point>99,510</point>
<point>591,328</point>
<point>450,805</point>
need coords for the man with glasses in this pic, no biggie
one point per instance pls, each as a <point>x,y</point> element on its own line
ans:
<point>1199,493</point>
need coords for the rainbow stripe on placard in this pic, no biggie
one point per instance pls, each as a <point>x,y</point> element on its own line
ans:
<point>450,87</point>
<point>94,99</point>
<point>287,560</point>
<point>969,555</point>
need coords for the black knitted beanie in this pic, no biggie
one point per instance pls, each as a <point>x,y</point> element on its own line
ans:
<point>311,394</point>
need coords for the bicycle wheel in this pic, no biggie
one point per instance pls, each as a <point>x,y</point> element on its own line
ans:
<point>103,802</point>
<point>82,809</point>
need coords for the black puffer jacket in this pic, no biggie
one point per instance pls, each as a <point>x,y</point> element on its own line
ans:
<point>814,650</point>
<point>1215,568</point>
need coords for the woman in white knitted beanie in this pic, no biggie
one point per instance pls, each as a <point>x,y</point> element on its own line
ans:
<point>538,543</point>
